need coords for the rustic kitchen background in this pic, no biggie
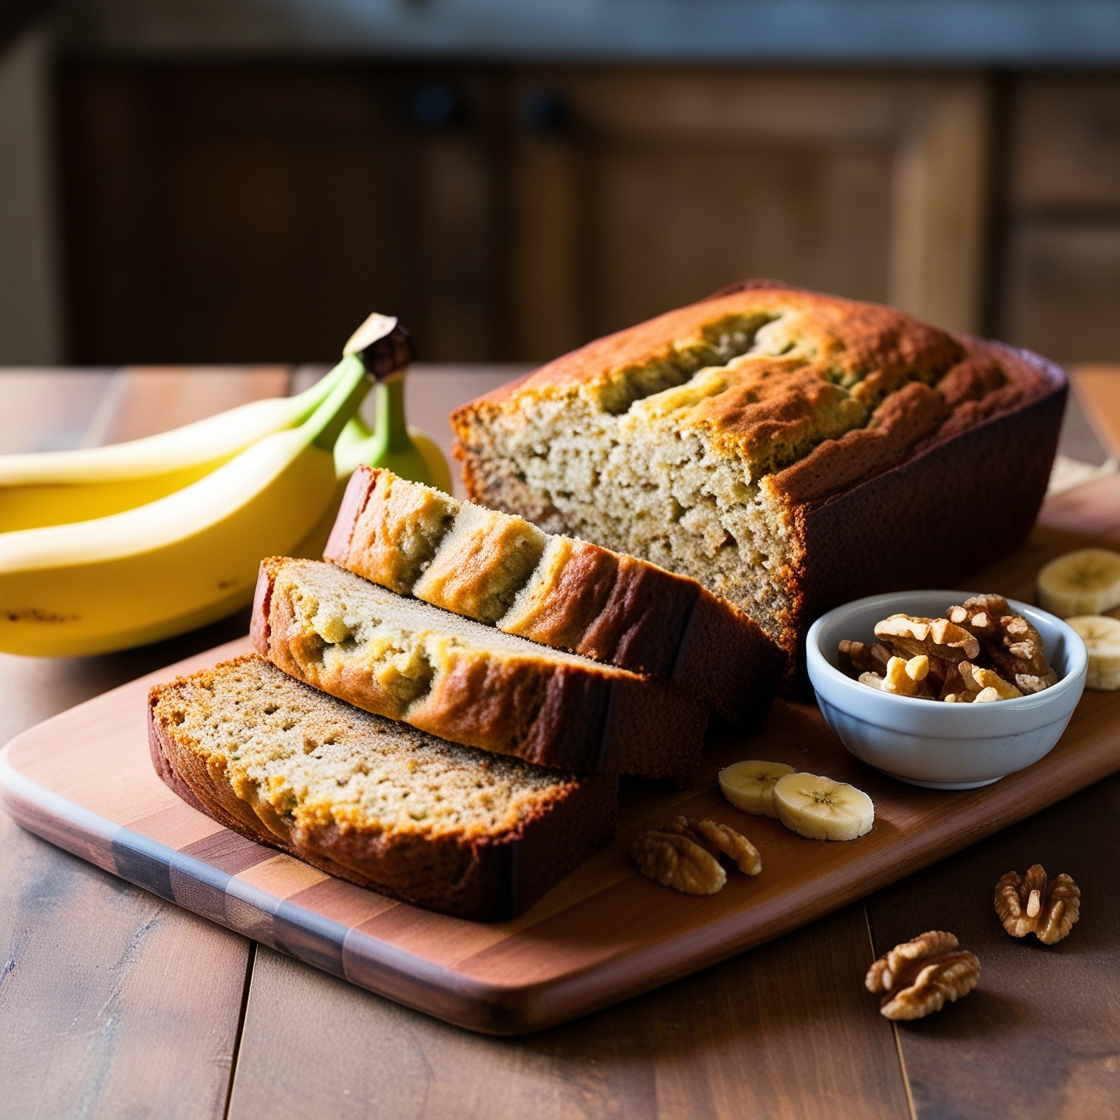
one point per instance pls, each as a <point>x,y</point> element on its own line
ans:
<point>243,180</point>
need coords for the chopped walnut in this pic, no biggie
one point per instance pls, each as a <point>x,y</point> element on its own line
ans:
<point>1012,645</point>
<point>917,977</point>
<point>732,844</point>
<point>856,658</point>
<point>942,675</point>
<point>980,652</point>
<point>675,864</point>
<point>935,637</point>
<point>985,685</point>
<point>1018,653</point>
<point>673,860</point>
<point>978,615</point>
<point>905,676</point>
<point>1032,905</point>
<point>717,838</point>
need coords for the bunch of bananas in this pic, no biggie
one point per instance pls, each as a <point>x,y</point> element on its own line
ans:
<point>107,548</point>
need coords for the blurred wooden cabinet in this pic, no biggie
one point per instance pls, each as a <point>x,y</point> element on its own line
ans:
<point>655,188</point>
<point>255,213</point>
<point>1061,267</point>
<point>236,212</point>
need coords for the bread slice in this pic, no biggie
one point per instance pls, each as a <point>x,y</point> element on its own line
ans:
<point>386,806</point>
<point>565,593</point>
<point>468,682</point>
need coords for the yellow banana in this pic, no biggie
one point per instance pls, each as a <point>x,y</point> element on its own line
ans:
<point>56,488</point>
<point>183,560</point>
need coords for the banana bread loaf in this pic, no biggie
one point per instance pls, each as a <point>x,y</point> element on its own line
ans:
<point>444,826</point>
<point>788,450</point>
<point>564,593</point>
<point>468,682</point>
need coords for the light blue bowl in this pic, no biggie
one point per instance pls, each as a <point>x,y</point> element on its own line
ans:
<point>928,743</point>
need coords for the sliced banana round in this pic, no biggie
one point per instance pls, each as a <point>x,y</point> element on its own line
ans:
<point>1085,582</point>
<point>750,785</point>
<point>1102,641</point>
<point>821,808</point>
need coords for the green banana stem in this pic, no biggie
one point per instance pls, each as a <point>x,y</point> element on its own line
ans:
<point>328,420</point>
<point>309,400</point>
<point>390,444</point>
<point>390,428</point>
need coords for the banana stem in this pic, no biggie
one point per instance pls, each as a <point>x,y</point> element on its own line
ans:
<point>391,445</point>
<point>342,402</point>
<point>390,429</point>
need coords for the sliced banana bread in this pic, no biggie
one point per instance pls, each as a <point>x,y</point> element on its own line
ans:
<point>386,806</point>
<point>565,593</point>
<point>468,682</point>
<point>791,451</point>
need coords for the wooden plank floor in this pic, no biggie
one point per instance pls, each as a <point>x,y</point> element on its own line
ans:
<point>114,1003</point>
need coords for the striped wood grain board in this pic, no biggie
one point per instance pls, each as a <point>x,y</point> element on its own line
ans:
<point>83,780</point>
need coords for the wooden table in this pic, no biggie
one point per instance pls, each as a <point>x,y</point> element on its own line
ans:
<point>114,1003</point>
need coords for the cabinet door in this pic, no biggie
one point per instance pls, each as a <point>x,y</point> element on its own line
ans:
<point>1061,284</point>
<point>636,191</point>
<point>242,212</point>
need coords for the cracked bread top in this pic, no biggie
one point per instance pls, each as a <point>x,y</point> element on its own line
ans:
<point>816,391</point>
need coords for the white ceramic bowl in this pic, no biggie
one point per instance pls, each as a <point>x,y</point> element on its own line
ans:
<point>928,743</point>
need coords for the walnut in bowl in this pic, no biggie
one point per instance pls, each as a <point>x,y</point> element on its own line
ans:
<point>944,746</point>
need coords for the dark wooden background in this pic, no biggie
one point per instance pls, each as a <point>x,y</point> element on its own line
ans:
<point>244,211</point>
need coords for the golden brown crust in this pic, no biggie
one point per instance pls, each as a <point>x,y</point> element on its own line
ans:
<point>579,716</point>
<point>861,428</point>
<point>847,335</point>
<point>584,598</point>
<point>572,610</point>
<point>903,420</point>
<point>488,878</point>
<point>835,343</point>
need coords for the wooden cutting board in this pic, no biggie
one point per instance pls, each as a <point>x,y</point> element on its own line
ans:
<point>83,780</point>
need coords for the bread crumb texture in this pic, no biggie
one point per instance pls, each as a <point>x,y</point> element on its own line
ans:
<point>305,762</point>
<point>694,440</point>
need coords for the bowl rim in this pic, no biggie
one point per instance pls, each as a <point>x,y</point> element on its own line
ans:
<point>1076,658</point>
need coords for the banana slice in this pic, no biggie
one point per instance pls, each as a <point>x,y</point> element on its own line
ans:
<point>1102,640</point>
<point>821,808</point>
<point>1085,582</point>
<point>750,785</point>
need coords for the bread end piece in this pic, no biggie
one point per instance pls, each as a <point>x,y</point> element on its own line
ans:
<point>481,877</point>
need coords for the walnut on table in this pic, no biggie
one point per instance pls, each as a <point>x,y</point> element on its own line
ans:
<point>684,854</point>
<point>917,977</point>
<point>1033,904</point>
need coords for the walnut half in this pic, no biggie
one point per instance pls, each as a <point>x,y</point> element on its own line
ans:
<point>917,977</point>
<point>1032,904</point>
<point>684,854</point>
